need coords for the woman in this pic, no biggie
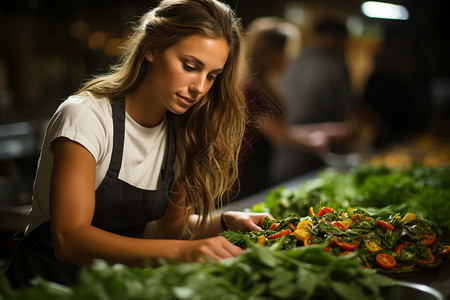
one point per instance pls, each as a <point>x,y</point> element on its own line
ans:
<point>155,139</point>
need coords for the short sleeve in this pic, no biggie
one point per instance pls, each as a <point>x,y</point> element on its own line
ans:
<point>84,120</point>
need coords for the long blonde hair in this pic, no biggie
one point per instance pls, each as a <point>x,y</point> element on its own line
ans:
<point>209,134</point>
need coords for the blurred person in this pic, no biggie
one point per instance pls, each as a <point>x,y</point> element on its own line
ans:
<point>155,139</point>
<point>397,91</point>
<point>272,43</point>
<point>317,89</point>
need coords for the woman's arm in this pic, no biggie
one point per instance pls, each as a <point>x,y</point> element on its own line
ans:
<point>72,204</point>
<point>171,224</point>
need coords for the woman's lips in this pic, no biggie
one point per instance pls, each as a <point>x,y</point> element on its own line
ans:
<point>185,100</point>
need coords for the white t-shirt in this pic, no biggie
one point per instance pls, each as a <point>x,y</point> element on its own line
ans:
<point>88,121</point>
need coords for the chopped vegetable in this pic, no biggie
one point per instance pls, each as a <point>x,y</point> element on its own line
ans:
<point>385,261</point>
<point>429,260</point>
<point>273,226</point>
<point>408,217</point>
<point>347,246</point>
<point>428,239</point>
<point>261,240</point>
<point>324,210</point>
<point>339,225</point>
<point>280,234</point>
<point>303,230</point>
<point>307,241</point>
<point>384,225</point>
<point>291,226</point>
<point>372,246</point>
<point>400,247</point>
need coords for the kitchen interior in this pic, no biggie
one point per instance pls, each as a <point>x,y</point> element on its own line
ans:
<point>47,49</point>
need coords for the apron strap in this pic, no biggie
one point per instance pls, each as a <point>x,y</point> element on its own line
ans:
<point>118,115</point>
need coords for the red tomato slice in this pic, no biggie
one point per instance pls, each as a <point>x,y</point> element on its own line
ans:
<point>384,225</point>
<point>385,261</point>
<point>428,239</point>
<point>348,246</point>
<point>400,247</point>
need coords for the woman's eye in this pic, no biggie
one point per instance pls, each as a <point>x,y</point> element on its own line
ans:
<point>211,77</point>
<point>188,67</point>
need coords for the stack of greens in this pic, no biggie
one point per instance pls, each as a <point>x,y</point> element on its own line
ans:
<point>260,273</point>
<point>379,190</point>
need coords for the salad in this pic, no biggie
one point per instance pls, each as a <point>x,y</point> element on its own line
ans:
<point>396,244</point>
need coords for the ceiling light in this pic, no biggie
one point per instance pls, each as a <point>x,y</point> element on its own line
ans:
<point>384,10</point>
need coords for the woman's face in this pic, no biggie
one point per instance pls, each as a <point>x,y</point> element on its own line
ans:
<point>182,74</point>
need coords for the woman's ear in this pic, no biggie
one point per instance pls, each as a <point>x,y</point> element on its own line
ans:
<point>150,55</point>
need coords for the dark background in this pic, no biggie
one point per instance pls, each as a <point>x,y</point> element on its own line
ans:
<point>44,52</point>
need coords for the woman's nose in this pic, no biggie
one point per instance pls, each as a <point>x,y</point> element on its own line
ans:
<point>199,85</point>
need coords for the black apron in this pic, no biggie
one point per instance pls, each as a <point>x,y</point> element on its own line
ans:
<point>119,208</point>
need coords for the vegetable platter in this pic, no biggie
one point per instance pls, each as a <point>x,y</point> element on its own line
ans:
<point>396,244</point>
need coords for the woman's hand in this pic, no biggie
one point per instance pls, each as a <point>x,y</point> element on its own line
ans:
<point>241,221</point>
<point>215,248</point>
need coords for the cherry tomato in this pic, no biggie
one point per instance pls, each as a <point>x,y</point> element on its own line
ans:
<point>428,239</point>
<point>430,260</point>
<point>348,246</point>
<point>400,247</point>
<point>384,225</point>
<point>372,246</point>
<point>385,261</point>
<point>324,210</point>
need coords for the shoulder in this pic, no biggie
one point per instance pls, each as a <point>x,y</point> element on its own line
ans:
<point>85,119</point>
<point>85,103</point>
